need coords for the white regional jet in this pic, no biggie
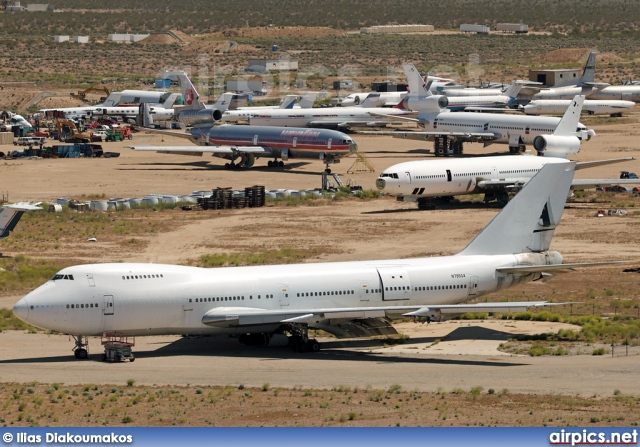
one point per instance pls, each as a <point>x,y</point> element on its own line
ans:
<point>422,181</point>
<point>449,130</point>
<point>611,107</point>
<point>348,299</point>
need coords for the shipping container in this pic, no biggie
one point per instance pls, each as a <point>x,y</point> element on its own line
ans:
<point>479,29</point>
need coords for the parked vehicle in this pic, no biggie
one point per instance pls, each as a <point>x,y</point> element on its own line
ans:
<point>29,141</point>
<point>628,174</point>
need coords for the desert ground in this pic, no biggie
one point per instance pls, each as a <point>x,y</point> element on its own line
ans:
<point>449,356</point>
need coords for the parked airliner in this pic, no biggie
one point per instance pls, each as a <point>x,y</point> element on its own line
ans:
<point>590,106</point>
<point>347,299</point>
<point>423,180</point>
<point>243,144</point>
<point>450,130</point>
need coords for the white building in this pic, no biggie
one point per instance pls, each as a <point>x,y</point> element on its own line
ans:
<point>58,39</point>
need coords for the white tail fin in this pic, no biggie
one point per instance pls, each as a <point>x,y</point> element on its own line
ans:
<point>372,100</point>
<point>144,116</point>
<point>11,214</point>
<point>589,72</point>
<point>289,101</point>
<point>189,93</point>
<point>308,99</point>
<point>513,89</point>
<point>415,81</point>
<point>527,223</point>
<point>224,101</point>
<point>568,124</point>
<point>171,100</point>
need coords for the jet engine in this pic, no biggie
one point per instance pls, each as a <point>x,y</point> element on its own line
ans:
<point>199,117</point>
<point>425,103</point>
<point>556,146</point>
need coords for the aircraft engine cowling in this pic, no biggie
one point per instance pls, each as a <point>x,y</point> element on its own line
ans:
<point>556,146</point>
<point>425,103</point>
<point>199,117</point>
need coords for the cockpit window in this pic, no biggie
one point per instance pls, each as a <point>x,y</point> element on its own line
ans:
<point>58,276</point>
<point>389,175</point>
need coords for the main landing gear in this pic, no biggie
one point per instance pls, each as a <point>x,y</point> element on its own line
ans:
<point>298,339</point>
<point>81,349</point>
<point>275,164</point>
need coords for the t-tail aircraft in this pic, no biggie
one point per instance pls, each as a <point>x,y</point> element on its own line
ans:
<point>449,130</point>
<point>347,299</point>
<point>242,145</point>
<point>584,85</point>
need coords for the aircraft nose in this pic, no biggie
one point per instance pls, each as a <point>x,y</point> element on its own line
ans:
<point>380,183</point>
<point>21,309</point>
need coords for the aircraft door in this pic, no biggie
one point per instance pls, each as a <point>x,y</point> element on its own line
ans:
<point>284,295</point>
<point>407,177</point>
<point>295,142</point>
<point>364,291</point>
<point>473,285</point>
<point>396,284</point>
<point>448,175</point>
<point>329,144</point>
<point>255,140</point>
<point>107,304</point>
<point>92,283</point>
<point>494,173</point>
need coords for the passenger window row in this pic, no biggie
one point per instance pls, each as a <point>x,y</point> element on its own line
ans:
<point>325,293</point>
<point>142,276</point>
<point>450,287</point>
<point>226,298</point>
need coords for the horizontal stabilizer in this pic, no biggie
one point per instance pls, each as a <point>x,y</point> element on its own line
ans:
<point>558,268</point>
<point>594,163</point>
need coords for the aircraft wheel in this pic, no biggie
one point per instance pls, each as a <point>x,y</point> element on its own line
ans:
<point>227,166</point>
<point>132,358</point>
<point>81,354</point>
<point>281,164</point>
<point>313,345</point>
<point>328,171</point>
<point>270,164</point>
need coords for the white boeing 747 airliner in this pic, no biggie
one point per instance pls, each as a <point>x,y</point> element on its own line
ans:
<point>347,299</point>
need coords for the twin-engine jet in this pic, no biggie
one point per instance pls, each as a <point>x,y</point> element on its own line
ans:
<point>347,299</point>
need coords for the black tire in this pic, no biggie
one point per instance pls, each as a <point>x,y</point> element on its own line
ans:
<point>328,171</point>
<point>130,137</point>
<point>82,354</point>
<point>227,166</point>
<point>313,345</point>
<point>104,357</point>
<point>270,164</point>
<point>132,358</point>
<point>281,164</point>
